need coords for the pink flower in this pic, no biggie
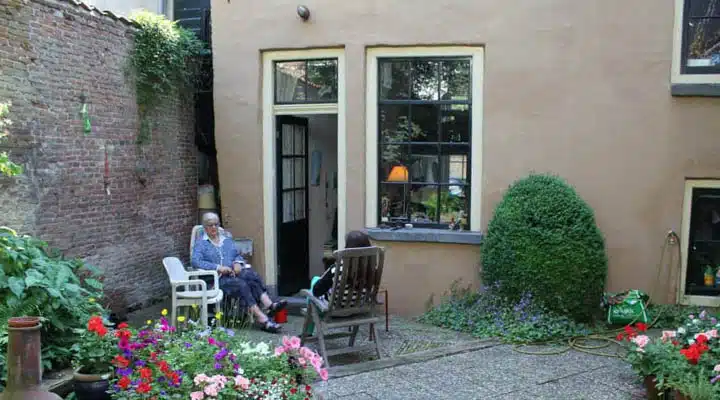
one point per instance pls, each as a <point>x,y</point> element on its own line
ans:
<point>324,374</point>
<point>201,378</point>
<point>302,361</point>
<point>279,350</point>
<point>717,368</point>
<point>713,333</point>
<point>211,390</point>
<point>219,380</point>
<point>641,341</point>
<point>666,335</point>
<point>316,363</point>
<point>286,342</point>
<point>242,381</point>
<point>307,353</point>
<point>295,342</point>
<point>197,395</point>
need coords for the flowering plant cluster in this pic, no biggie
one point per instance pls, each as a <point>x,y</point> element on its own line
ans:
<point>686,359</point>
<point>159,361</point>
<point>95,349</point>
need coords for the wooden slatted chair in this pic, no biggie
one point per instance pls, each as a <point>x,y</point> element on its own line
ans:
<point>351,303</point>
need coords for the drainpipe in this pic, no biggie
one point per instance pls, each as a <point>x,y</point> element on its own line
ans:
<point>24,362</point>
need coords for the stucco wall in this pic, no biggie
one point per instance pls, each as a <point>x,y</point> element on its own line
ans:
<point>578,88</point>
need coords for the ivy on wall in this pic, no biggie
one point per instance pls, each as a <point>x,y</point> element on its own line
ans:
<point>7,167</point>
<point>163,64</point>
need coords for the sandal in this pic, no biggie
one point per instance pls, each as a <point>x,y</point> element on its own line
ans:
<point>276,306</point>
<point>269,326</point>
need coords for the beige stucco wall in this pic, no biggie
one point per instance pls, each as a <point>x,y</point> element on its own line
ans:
<point>578,88</point>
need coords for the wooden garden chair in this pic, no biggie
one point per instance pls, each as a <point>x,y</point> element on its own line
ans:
<point>351,303</point>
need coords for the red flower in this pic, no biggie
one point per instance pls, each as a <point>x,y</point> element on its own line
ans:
<point>146,373</point>
<point>701,339</point>
<point>164,367</point>
<point>122,325</point>
<point>692,354</point>
<point>293,391</point>
<point>95,324</point>
<point>124,382</point>
<point>619,337</point>
<point>641,327</point>
<point>143,388</point>
<point>308,388</point>
<point>123,335</point>
<point>120,361</point>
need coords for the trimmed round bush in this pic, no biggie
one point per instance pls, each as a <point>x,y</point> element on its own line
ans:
<point>543,239</point>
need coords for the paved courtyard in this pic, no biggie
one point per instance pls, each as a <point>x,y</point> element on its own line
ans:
<point>495,372</point>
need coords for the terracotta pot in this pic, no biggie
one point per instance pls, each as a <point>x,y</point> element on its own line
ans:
<point>679,396</point>
<point>650,389</point>
<point>91,386</point>
<point>23,322</point>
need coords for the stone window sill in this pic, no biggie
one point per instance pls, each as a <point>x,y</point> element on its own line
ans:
<point>695,89</point>
<point>425,235</point>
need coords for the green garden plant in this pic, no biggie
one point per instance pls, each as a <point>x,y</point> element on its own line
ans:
<point>163,64</point>
<point>543,240</point>
<point>37,281</point>
<point>7,167</point>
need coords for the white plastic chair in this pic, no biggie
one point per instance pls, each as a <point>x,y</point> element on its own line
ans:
<point>181,278</point>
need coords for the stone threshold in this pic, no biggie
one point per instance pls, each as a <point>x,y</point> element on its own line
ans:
<point>412,358</point>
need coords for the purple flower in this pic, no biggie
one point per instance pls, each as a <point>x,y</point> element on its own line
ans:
<point>220,355</point>
<point>236,367</point>
<point>715,379</point>
<point>124,371</point>
<point>161,379</point>
<point>188,345</point>
<point>218,365</point>
<point>139,363</point>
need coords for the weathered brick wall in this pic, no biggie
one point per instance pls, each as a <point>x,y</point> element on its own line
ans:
<point>51,54</point>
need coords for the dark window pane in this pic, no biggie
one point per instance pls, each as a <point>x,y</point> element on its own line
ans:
<point>322,80</point>
<point>424,118</point>
<point>394,80</point>
<point>425,80</point>
<point>704,241</point>
<point>454,164</point>
<point>455,80</point>
<point>394,155</point>
<point>421,203</point>
<point>453,205</point>
<point>393,202</point>
<point>424,163</point>
<point>703,8</point>
<point>290,82</point>
<point>703,42</point>
<point>455,123</point>
<point>394,123</point>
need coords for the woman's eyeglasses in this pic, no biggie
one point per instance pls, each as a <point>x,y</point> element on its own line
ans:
<point>212,225</point>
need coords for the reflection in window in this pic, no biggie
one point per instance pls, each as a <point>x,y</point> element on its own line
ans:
<point>306,81</point>
<point>704,243</point>
<point>701,36</point>
<point>424,141</point>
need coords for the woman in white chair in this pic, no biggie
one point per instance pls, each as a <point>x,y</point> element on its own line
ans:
<point>217,252</point>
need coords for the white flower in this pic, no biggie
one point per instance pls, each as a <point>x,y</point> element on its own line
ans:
<point>681,331</point>
<point>696,321</point>
<point>691,341</point>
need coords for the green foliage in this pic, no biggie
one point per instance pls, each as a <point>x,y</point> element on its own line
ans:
<point>670,316</point>
<point>543,240</point>
<point>36,281</point>
<point>7,167</point>
<point>163,64</point>
<point>489,314</point>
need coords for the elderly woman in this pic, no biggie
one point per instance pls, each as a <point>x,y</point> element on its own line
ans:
<point>217,252</point>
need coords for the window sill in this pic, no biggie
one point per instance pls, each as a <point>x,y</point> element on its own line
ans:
<point>425,235</point>
<point>695,89</point>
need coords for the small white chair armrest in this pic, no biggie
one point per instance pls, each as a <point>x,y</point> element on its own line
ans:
<point>206,272</point>
<point>187,284</point>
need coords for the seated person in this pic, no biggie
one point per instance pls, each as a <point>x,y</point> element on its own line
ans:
<point>216,252</point>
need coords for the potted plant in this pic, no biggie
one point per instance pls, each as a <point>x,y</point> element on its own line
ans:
<point>695,385</point>
<point>92,361</point>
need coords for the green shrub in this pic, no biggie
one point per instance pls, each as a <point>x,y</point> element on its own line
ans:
<point>36,281</point>
<point>543,240</point>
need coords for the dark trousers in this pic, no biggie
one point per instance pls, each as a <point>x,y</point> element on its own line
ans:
<point>254,282</point>
<point>237,287</point>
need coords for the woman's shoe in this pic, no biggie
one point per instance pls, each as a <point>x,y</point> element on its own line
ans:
<point>269,326</point>
<point>276,306</point>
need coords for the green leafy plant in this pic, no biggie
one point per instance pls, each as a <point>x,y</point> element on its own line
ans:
<point>543,239</point>
<point>95,348</point>
<point>163,64</point>
<point>7,167</point>
<point>486,313</point>
<point>37,281</point>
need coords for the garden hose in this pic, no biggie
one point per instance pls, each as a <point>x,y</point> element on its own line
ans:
<point>608,337</point>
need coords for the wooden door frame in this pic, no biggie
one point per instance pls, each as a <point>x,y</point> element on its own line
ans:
<point>269,111</point>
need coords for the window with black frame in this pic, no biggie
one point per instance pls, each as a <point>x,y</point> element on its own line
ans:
<point>701,37</point>
<point>424,141</point>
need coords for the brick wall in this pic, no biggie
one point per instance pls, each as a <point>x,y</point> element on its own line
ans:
<point>51,54</point>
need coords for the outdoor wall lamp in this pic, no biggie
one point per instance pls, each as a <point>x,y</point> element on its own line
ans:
<point>303,12</point>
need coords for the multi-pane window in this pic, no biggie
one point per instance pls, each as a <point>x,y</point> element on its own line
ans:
<point>424,141</point>
<point>701,37</point>
<point>703,246</point>
<point>306,81</point>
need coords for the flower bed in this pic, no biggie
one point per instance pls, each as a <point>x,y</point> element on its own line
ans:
<point>159,361</point>
<point>685,360</point>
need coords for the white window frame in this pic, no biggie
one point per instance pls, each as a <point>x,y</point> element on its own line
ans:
<point>371,122</point>
<point>677,77</point>
<point>706,301</point>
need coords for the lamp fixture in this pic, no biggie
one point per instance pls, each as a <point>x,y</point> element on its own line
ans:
<point>303,12</point>
<point>398,173</point>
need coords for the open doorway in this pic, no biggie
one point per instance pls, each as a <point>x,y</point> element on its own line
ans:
<point>307,197</point>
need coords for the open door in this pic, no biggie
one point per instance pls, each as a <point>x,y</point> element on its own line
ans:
<point>293,227</point>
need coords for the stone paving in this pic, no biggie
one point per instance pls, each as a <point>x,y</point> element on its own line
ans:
<point>494,373</point>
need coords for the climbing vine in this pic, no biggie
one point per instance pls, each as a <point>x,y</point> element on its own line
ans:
<point>163,64</point>
<point>7,167</point>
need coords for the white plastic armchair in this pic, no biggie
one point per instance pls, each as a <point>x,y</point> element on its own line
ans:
<point>195,291</point>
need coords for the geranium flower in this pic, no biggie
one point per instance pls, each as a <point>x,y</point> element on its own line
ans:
<point>197,395</point>
<point>211,390</point>
<point>143,388</point>
<point>201,379</point>
<point>668,335</point>
<point>124,382</point>
<point>146,373</point>
<point>122,325</point>
<point>324,374</point>
<point>120,361</point>
<point>641,341</point>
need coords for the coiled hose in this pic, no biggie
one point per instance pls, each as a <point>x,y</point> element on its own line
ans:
<point>608,337</point>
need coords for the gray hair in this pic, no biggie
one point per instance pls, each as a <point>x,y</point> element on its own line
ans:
<point>210,216</point>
